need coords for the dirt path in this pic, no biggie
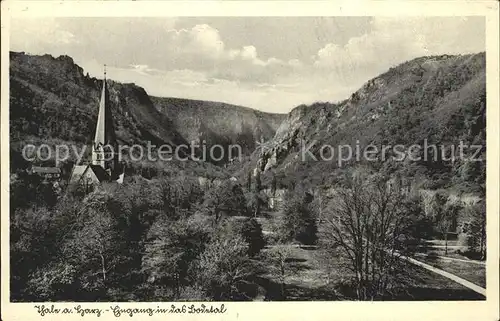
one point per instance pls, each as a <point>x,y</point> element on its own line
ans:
<point>454,259</point>
<point>459,280</point>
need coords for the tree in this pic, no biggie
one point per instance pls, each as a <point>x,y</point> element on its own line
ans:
<point>36,237</point>
<point>444,227</point>
<point>274,183</point>
<point>171,250</point>
<point>255,202</point>
<point>364,220</point>
<point>477,229</point>
<point>438,204</point>
<point>31,245</point>
<point>97,247</point>
<point>299,219</point>
<point>187,192</point>
<point>447,221</point>
<point>225,199</point>
<point>416,226</point>
<point>224,267</point>
<point>249,181</point>
<point>251,231</point>
<point>258,182</point>
<point>103,243</point>
<point>279,255</point>
<point>57,280</point>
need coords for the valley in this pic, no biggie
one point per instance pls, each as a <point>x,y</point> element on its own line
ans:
<point>269,226</point>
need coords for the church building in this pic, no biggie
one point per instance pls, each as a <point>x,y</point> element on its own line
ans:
<point>105,166</point>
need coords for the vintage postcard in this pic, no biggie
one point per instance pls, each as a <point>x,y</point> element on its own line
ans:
<point>246,160</point>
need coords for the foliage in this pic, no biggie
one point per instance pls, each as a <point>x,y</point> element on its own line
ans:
<point>258,182</point>
<point>103,246</point>
<point>251,231</point>
<point>249,181</point>
<point>446,215</point>
<point>274,183</point>
<point>256,202</point>
<point>279,255</point>
<point>299,219</point>
<point>365,220</point>
<point>477,229</point>
<point>170,250</point>
<point>224,268</point>
<point>225,199</point>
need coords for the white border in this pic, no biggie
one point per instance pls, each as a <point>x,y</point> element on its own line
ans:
<point>462,310</point>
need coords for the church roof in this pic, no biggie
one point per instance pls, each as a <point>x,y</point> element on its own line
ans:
<point>100,173</point>
<point>93,172</point>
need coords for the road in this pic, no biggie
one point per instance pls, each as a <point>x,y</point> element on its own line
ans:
<point>470,285</point>
<point>453,259</point>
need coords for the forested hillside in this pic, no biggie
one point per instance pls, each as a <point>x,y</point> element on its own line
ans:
<point>439,99</point>
<point>219,123</point>
<point>55,93</point>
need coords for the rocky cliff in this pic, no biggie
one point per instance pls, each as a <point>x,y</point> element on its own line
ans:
<point>439,100</point>
<point>219,123</point>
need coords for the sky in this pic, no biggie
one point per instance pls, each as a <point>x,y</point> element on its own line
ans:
<point>268,63</point>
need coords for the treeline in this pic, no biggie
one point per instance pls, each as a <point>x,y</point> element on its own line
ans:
<point>160,240</point>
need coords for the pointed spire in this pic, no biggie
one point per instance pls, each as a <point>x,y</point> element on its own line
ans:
<point>104,133</point>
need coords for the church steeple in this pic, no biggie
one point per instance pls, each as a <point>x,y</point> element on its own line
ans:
<point>104,152</point>
<point>105,166</point>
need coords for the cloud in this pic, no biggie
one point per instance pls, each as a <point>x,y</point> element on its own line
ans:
<point>391,41</point>
<point>193,59</point>
<point>200,40</point>
<point>201,48</point>
<point>32,34</point>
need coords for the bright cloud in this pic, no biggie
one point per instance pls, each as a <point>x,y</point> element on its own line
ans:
<point>392,41</point>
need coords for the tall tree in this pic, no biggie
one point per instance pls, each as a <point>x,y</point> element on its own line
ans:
<point>249,181</point>
<point>258,182</point>
<point>225,199</point>
<point>364,221</point>
<point>477,229</point>
<point>299,219</point>
<point>251,231</point>
<point>273,185</point>
<point>171,250</point>
<point>224,267</point>
<point>447,222</point>
<point>279,256</point>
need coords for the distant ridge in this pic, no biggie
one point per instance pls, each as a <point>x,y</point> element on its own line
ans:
<point>441,99</point>
<point>51,99</point>
<point>220,123</point>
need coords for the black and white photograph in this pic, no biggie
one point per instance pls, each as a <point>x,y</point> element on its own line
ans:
<point>246,159</point>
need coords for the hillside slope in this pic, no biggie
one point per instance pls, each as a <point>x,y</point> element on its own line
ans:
<point>219,123</point>
<point>52,98</point>
<point>52,102</point>
<point>439,99</point>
